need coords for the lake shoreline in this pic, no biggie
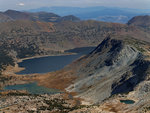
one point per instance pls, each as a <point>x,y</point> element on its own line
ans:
<point>17,68</point>
<point>40,56</point>
<point>66,52</point>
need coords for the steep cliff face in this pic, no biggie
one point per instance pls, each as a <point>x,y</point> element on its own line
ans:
<point>113,67</point>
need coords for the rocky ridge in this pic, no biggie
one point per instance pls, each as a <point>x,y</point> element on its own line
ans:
<point>112,68</point>
<point>141,21</point>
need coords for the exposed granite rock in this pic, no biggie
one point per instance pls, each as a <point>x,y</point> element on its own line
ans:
<point>112,68</point>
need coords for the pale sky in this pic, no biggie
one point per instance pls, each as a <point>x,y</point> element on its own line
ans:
<point>31,4</point>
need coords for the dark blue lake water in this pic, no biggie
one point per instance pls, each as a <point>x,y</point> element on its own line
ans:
<point>127,101</point>
<point>43,65</point>
<point>52,63</point>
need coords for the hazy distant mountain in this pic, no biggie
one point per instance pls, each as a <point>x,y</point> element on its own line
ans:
<point>69,17</point>
<point>43,16</point>
<point>37,16</point>
<point>108,14</point>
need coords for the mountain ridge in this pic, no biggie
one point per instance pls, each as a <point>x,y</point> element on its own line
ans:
<point>38,16</point>
<point>141,21</point>
<point>100,13</point>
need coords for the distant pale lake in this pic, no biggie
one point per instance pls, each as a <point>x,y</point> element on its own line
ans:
<point>52,63</point>
<point>32,88</point>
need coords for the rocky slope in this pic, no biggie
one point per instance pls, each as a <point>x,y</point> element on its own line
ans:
<point>114,67</point>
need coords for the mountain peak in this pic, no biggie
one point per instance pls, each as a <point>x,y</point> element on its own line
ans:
<point>38,16</point>
<point>10,11</point>
<point>17,15</point>
<point>106,43</point>
<point>142,21</point>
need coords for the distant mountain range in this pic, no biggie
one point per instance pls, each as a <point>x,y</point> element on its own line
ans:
<point>38,16</point>
<point>58,14</point>
<point>107,14</point>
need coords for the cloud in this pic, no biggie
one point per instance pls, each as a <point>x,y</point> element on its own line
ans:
<point>21,4</point>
